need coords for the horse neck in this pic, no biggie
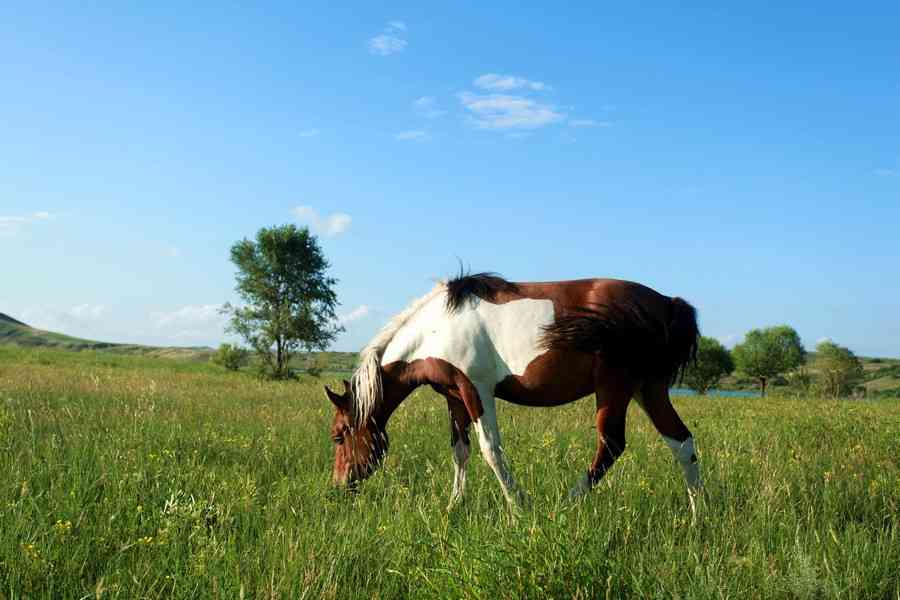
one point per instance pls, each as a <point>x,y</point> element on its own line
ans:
<point>397,385</point>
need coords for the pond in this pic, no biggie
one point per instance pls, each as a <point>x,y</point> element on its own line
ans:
<point>721,393</point>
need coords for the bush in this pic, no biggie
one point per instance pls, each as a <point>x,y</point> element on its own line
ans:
<point>712,364</point>
<point>230,356</point>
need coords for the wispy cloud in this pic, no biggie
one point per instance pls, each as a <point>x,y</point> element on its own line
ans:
<point>416,135</point>
<point>309,133</point>
<point>11,224</point>
<point>391,40</point>
<point>189,315</point>
<point>588,123</point>
<point>83,320</point>
<point>87,311</point>
<point>329,225</point>
<point>192,322</point>
<point>426,106</point>
<point>356,314</point>
<point>886,172</point>
<point>506,83</point>
<point>504,111</point>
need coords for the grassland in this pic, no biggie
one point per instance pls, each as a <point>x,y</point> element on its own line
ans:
<point>130,477</point>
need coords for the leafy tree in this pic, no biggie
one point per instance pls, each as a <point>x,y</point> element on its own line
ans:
<point>231,357</point>
<point>838,368</point>
<point>289,298</point>
<point>713,362</point>
<point>766,353</point>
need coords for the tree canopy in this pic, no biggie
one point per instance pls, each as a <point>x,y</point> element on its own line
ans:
<point>766,353</point>
<point>713,362</point>
<point>838,368</point>
<point>289,300</point>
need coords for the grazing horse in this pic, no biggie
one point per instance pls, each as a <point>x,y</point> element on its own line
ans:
<point>479,337</point>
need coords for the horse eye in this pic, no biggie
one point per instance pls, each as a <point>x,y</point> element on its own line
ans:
<point>338,440</point>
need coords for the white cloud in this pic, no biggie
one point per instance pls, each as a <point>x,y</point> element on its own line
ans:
<point>886,172</point>
<point>506,83</point>
<point>329,225</point>
<point>390,41</point>
<point>309,133</point>
<point>355,315</point>
<point>87,311</point>
<point>82,320</point>
<point>384,45</point>
<point>190,315</point>
<point>503,111</point>
<point>11,224</point>
<point>588,123</point>
<point>413,136</point>
<point>426,106</point>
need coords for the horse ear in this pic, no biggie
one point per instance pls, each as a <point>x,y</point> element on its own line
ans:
<point>340,402</point>
<point>347,388</point>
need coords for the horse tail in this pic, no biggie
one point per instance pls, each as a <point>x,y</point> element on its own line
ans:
<point>625,334</point>
<point>683,338</point>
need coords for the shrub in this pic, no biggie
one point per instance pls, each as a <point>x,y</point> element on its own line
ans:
<point>230,356</point>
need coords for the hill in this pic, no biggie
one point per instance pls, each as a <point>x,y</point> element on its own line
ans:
<point>16,333</point>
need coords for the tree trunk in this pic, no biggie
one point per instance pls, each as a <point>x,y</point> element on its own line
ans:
<point>762,386</point>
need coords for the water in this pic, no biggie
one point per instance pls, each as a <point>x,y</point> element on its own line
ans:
<point>722,393</point>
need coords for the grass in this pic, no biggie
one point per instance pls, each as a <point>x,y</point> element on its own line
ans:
<point>134,477</point>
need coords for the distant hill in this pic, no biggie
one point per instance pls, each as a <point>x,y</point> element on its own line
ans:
<point>17,333</point>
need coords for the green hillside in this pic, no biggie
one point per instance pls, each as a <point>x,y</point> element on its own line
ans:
<point>17,333</point>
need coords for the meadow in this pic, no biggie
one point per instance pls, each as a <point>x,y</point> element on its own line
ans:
<point>129,476</point>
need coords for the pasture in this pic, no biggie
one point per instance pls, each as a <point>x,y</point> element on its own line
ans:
<point>139,477</point>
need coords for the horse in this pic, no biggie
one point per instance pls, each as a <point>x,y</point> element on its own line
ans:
<point>479,337</point>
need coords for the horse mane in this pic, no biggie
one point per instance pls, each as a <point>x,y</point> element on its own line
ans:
<point>366,380</point>
<point>487,286</point>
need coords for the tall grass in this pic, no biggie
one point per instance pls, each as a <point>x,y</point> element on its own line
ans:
<point>131,477</point>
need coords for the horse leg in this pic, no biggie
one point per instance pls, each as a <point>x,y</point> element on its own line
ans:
<point>613,392</point>
<point>459,440</point>
<point>489,441</point>
<point>654,399</point>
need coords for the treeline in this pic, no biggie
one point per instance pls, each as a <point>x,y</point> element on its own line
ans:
<point>777,354</point>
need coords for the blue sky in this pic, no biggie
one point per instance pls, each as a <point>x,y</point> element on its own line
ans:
<point>747,159</point>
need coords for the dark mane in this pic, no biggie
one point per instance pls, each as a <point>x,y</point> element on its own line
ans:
<point>463,288</point>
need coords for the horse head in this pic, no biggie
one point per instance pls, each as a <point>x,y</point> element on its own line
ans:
<point>359,448</point>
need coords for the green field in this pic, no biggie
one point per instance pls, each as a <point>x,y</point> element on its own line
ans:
<point>132,477</point>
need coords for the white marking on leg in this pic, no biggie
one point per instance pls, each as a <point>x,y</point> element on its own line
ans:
<point>686,456</point>
<point>489,441</point>
<point>460,458</point>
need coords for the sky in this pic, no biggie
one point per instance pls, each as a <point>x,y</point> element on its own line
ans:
<point>746,158</point>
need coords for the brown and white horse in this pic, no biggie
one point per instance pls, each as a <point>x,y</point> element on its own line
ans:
<point>480,337</point>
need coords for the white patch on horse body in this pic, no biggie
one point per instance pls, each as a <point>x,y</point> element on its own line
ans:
<point>486,341</point>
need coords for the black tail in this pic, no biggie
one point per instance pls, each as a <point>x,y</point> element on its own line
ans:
<point>625,335</point>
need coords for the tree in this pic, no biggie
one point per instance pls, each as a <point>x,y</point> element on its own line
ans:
<point>231,357</point>
<point>838,368</point>
<point>766,353</point>
<point>289,298</point>
<point>713,362</point>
